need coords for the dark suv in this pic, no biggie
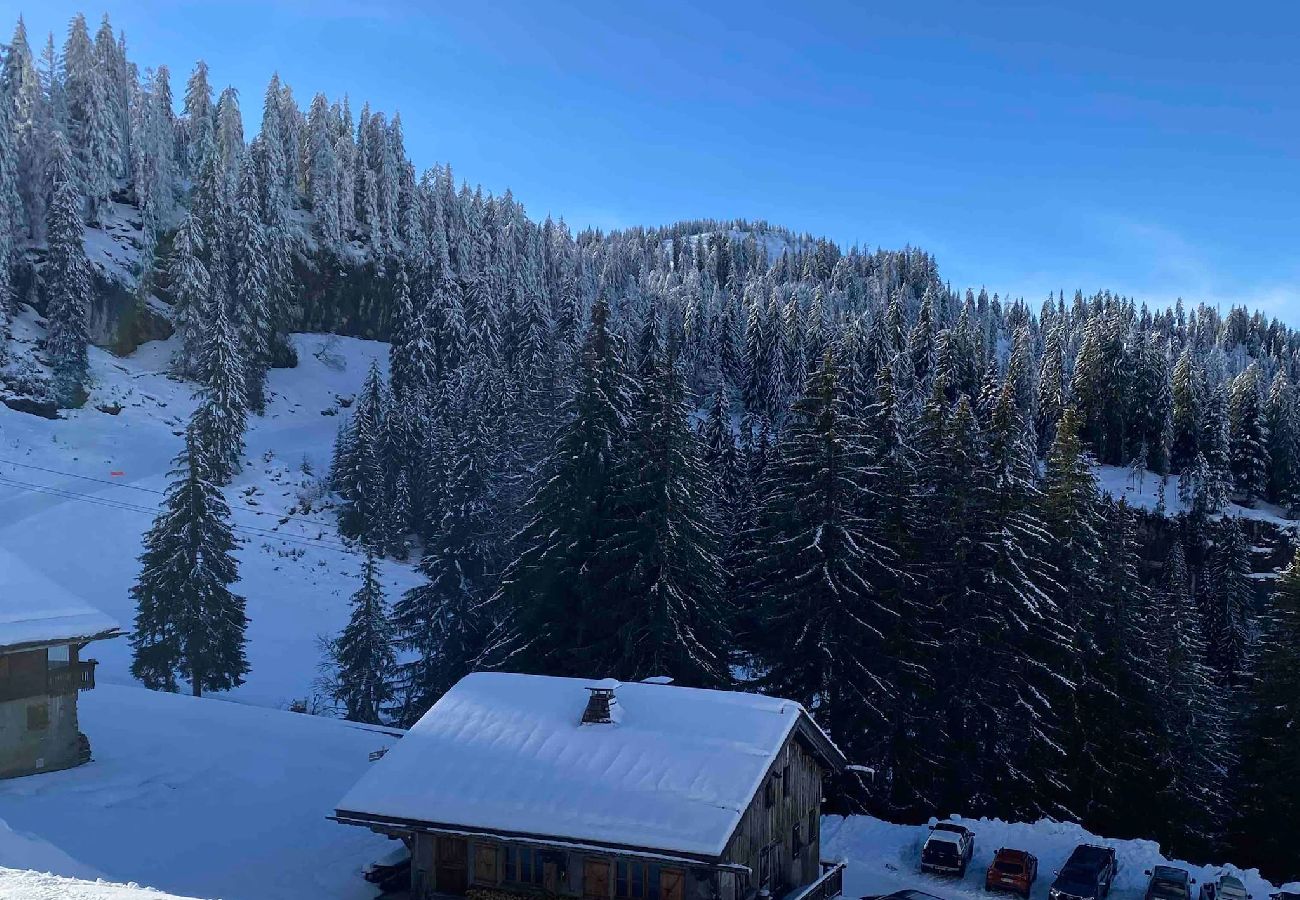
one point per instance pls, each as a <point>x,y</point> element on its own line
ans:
<point>1087,875</point>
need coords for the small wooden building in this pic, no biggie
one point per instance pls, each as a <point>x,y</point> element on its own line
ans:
<point>43,635</point>
<point>519,785</point>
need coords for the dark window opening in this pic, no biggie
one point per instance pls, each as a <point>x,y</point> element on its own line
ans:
<point>38,717</point>
<point>636,881</point>
<point>524,866</point>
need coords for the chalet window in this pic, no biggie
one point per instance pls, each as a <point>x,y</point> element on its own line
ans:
<point>796,841</point>
<point>524,865</point>
<point>785,781</point>
<point>764,867</point>
<point>59,656</point>
<point>38,717</point>
<point>636,881</point>
<point>769,793</point>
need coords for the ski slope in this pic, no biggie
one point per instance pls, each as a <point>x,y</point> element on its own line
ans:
<point>77,495</point>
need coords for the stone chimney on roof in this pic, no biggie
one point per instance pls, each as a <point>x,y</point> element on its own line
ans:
<point>601,703</point>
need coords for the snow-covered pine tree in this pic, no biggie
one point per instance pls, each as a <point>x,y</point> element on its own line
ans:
<point>666,589</point>
<point>553,594</point>
<point>1226,605</point>
<point>445,622</point>
<point>1248,432</point>
<point>188,624</point>
<point>67,284</point>
<point>1216,443</point>
<point>228,135</point>
<point>222,414</point>
<point>361,661</point>
<point>1051,397</point>
<point>90,118</point>
<point>410,355</point>
<point>322,172</point>
<point>31,138</point>
<point>359,469</point>
<point>722,461</point>
<point>816,576</point>
<point>200,119</point>
<point>11,209</point>
<point>250,288</point>
<point>1189,755</point>
<point>1267,830</point>
<point>191,288</point>
<point>1283,418</point>
<point>1188,390</point>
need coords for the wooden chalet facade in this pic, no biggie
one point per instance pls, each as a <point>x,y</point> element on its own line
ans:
<point>43,636</point>
<point>607,797</point>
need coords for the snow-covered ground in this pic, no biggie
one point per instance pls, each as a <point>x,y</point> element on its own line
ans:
<point>17,884</point>
<point>883,858</point>
<point>1142,490</point>
<point>212,799</point>
<point>198,797</point>
<point>77,494</point>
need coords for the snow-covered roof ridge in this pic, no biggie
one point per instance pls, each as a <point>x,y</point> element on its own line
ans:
<point>505,753</point>
<point>34,610</point>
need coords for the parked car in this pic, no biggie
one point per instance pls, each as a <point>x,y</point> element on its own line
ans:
<point>1284,895</point>
<point>1227,887</point>
<point>948,849</point>
<point>1012,870</point>
<point>1087,875</point>
<point>1169,883</point>
<point>392,871</point>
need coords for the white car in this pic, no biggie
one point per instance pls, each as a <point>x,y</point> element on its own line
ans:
<point>1228,887</point>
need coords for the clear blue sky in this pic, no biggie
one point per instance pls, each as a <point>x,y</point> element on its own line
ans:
<point>1152,147</point>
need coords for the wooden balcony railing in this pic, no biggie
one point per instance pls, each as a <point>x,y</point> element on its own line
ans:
<point>78,676</point>
<point>828,886</point>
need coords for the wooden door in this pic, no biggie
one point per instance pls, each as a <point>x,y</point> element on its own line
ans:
<point>485,864</point>
<point>452,873</point>
<point>671,884</point>
<point>595,879</point>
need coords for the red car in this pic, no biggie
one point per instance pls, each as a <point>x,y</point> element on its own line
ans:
<point>1013,871</point>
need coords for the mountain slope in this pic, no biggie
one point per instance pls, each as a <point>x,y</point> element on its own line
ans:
<point>77,494</point>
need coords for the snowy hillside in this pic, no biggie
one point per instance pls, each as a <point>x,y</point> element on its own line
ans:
<point>77,494</point>
<point>198,797</point>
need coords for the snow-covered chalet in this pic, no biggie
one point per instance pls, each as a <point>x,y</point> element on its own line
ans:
<point>43,631</point>
<point>523,785</point>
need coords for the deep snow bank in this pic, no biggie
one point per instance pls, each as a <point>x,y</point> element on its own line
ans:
<point>883,857</point>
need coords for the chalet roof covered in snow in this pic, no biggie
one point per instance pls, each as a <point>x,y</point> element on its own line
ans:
<point>506,754</point>
<point>34,610</point>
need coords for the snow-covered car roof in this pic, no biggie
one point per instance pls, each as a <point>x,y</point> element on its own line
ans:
<point>947,837</point>
<point>506,754</point>
<point>35,611</point>
<point>1231,887</point>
